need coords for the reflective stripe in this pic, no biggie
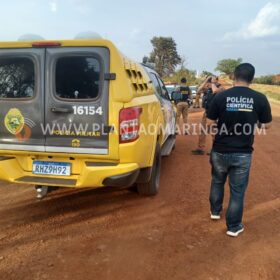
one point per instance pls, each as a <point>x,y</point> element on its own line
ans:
<point>76,150</point>
<point>53,149</point>
<point>22,147</point>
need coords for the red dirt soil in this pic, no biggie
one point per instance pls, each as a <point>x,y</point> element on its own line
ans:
<point>116,234</point>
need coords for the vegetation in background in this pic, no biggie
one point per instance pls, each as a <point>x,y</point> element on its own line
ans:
<point>182,72</point>
<point>267,80</point>
<point>164,55</point>
<point>271,91</point>
<point>227,66</point>
<point>274,96</point>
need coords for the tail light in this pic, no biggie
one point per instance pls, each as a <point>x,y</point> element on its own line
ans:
<point>46,44</point>
<point>129,124</point>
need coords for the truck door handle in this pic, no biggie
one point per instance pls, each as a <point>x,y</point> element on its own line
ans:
<point>62,110</point>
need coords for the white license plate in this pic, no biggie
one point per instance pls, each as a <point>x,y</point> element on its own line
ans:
<point>51,168</point>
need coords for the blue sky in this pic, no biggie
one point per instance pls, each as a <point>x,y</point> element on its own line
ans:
<point>205,30</point>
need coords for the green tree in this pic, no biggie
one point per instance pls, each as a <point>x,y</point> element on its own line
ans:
<point>185,73</point>
<point>227,66</point>
<point>164,55</point>
<point>190,75</point>
<point>206,73</point>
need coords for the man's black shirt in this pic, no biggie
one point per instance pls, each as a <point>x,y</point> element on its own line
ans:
<point>183,95</point>
<point>186,93</point>
<point>208,96</point>
<point>238,111</point>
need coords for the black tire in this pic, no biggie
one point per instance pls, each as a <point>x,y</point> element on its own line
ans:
<point>133,188</point>
<point>151,188</point>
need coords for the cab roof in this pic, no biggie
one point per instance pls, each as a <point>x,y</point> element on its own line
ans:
<point>59,43</point>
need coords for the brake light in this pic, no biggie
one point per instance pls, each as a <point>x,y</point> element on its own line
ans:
<point>45,44</point>
<point>129,124</point>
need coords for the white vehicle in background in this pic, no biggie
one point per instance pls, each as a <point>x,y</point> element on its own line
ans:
<point>170,88</point>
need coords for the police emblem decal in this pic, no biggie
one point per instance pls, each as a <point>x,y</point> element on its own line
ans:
<point>76,143</point>
<point>14,121</point>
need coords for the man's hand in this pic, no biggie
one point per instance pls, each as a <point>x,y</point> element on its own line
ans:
<point>216,89</point>
<point>210,122</point>
<point>264,125</point>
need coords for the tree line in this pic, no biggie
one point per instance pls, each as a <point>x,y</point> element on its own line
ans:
<point>268,80</point>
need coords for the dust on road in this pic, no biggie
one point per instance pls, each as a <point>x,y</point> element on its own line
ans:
<point>115,234</point>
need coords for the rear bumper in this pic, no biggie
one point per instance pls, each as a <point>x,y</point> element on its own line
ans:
<point>92,175</point>
<point>122,180</point>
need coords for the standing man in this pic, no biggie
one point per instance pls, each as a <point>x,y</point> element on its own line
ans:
<point>196,104</point>
<point>235,113</point>
<point>209,88</point>
<point>182,97</point>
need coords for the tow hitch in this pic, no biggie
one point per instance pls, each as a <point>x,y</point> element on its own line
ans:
<point>43,191</point>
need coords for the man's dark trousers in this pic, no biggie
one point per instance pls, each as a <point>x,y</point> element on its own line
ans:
<point>235,166</point>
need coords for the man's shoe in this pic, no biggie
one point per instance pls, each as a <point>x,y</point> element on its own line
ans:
<point>198,152</point>
<point>236,232</point>
<point>215,217</point>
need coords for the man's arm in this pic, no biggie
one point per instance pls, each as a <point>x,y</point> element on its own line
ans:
<point>202,86</point>
<point>212,126</point>
<point>265,117</point>
<point>190,93</point>
<point>212,114</point>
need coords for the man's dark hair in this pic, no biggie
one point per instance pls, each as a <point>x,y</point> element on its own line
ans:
<point>244,72</point>
<point>183,80</point>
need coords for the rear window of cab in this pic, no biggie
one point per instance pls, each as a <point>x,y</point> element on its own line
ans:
<point>17,77</point>
<point>77,77</point>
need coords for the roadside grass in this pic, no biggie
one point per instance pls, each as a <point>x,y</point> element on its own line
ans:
<point>272,92</point>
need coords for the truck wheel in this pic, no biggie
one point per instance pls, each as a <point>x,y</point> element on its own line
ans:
<point>151,188</point>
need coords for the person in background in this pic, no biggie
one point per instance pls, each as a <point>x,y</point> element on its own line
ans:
<point>235,113</point>
<point>210,87</point>
<point>182,98</point>
<point>196,104</point>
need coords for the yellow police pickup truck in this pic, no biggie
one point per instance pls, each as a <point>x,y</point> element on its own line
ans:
<point>78,113</point>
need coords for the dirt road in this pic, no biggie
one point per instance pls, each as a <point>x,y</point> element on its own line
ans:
<point>109,234</point>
